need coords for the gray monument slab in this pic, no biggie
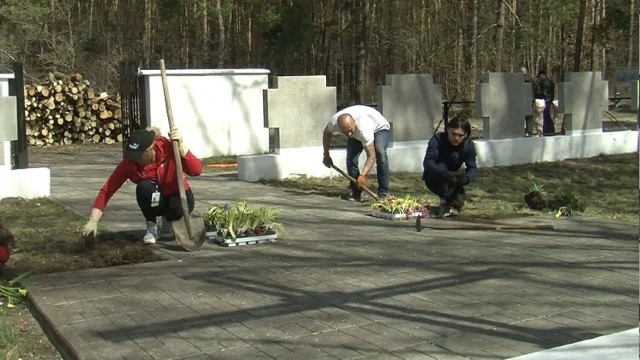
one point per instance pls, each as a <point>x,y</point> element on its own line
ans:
<point>8,122</point>
<point>503,101</point>
<point>8,118</point>
<point>583,97</point>
<point>412,103</point>
<point>300,107</point>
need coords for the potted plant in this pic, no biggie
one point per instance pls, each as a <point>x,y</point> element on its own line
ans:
<point>565,204</point>
<point>392,207</point>
<point>535,198</point>
<point>231,223</point>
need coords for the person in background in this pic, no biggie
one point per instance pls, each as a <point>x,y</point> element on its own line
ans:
<point>442,174</point>
<point>546,92</point>
<point>535,88</point>
<point>365,128</point>
<point>149,162</point>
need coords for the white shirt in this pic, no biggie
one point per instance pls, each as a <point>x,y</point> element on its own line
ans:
<point>368,121</point>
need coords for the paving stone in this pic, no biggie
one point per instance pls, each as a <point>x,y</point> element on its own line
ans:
<point>230,341</point>
<point>614,313</point>
<point>305,348</point>
<point>136,355</point>
<point>273,349</point>
<point>336,343</point>
<point>495,351</point>
<point>243,352</point>
<point>340,291</point>
<point>173,346</point>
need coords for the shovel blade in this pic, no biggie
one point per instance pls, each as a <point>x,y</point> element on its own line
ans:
<point>198,234</point>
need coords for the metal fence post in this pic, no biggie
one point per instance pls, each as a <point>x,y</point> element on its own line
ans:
<point>20,155</point>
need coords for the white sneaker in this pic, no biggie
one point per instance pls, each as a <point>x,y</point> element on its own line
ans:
<point>152,233</point>
<point>166,230</point>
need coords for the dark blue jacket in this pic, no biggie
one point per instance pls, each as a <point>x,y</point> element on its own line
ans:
<point>440,150</point>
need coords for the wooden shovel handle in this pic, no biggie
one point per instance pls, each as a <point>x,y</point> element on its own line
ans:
<point>373,195</point>
<point>496,227</point>
<point>176,152</point>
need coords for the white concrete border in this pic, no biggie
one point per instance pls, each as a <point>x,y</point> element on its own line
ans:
<point>307,161</point>
<point>506,152</point>
<point>408,156</point>
<point>25,183</point>
<point>618,346</point>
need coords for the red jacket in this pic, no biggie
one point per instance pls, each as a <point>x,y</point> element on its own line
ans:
<point>162,172</point>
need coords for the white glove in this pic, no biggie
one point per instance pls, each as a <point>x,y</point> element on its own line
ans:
<point>175,135</point>
<point>90,228</point>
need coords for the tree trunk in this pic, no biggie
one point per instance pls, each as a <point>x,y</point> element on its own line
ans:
<point>204,32</point>
<point>147,39</point>
<point>361,59</point>
<point>632,39</point>
<point>91,18</point>
<point>184,34</point>
<point>221,33</point>
<point>500,36</point>
<point>459,58</point>
<point>513,41</point>
<point>593,53</point>
<point>474,39</point>
<point>577,54</point>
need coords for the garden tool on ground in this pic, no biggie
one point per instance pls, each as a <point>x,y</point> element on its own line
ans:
<point>373,195</point>
<point>496,227</point>
<point>190,233</point>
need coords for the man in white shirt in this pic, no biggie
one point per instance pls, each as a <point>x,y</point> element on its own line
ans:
<point>366,129</point>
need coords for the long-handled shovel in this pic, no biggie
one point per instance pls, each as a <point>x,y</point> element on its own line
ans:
<point>373,195</point>
<point>190,234</point>
<point>495,227</point>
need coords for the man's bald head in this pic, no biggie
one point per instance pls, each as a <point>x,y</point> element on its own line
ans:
<point>346,124</point>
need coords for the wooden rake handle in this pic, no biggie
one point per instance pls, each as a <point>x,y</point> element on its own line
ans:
<point>366,189</point>
<point>497,227</point>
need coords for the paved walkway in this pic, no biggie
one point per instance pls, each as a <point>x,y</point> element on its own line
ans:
<point>341,285</point>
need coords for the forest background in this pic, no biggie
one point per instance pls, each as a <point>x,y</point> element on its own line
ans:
<point>355,43</point>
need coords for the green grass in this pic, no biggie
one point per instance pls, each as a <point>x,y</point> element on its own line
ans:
<point>606,185</point>
<point>9,340</point>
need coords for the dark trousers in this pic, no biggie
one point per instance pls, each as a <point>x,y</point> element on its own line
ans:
<point>169,206</point>
<point>547,122</point>
<point>444,189</point>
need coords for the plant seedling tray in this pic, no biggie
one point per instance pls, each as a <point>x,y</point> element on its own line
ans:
<point>389,216</point>
<point>248,240</point>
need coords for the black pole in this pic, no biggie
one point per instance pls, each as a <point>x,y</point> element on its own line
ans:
<point>19,147</point>
<point>445,114</point>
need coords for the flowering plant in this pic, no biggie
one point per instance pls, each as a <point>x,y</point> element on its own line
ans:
<point>14,292</point>
<point>405,205</point>
<point>239,220</point>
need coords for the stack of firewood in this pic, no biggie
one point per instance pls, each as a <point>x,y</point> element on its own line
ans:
<point>65,110</point>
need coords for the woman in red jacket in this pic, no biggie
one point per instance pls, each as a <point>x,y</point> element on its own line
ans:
<point>149,162</point>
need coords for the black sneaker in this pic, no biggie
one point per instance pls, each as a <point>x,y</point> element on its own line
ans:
<point>457,202</point>
<point>444,211</point>
<point>354,198</point>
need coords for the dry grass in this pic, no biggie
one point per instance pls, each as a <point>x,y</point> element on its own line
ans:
<point>44,238</point>
<point>607,186</point>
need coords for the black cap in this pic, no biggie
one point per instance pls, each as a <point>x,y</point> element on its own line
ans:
<point>138,142</point>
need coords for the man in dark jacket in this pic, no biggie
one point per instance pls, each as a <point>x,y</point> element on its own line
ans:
<point>547,93</point>
<point>446,152</point>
